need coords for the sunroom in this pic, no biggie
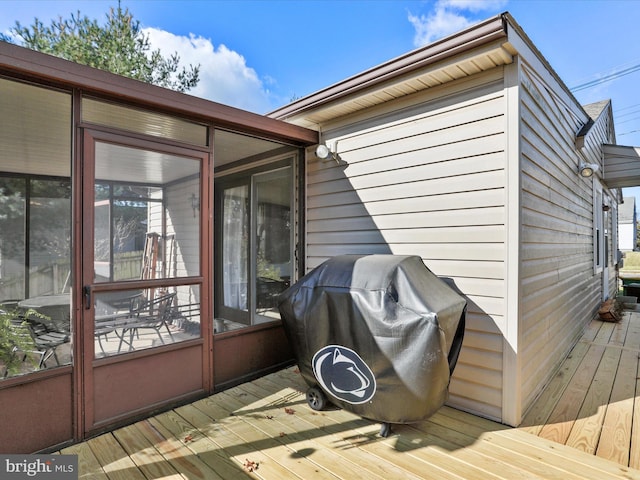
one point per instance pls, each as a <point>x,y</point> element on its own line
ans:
<point>144,237</point>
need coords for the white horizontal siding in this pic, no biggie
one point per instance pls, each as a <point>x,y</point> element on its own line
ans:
<point>328,195</point>
<point>182,223</point>
<point>427,182</point>
<point>435,235</point>
<point>556,235</point>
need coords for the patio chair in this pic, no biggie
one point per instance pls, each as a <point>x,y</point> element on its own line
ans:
<point>144,314</point>
<point>44,341</point>
<point>47,341</point>
<point>114,315</point>
<point>153,315</point>
<point>111,324</point>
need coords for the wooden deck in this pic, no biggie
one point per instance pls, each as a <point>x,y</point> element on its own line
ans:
<point>593,403</point>
<point>265,429</point>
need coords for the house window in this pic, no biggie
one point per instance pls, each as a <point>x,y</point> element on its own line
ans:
<point>599,236</point>
<point>255,244</point>
<point>35,221</point>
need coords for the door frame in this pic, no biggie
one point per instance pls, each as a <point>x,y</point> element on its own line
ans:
<point>246,178</point>
<point>197,353</point>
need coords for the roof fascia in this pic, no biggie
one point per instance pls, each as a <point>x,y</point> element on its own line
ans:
<point>18,60</point>
<point>468,39</point>
<point>521,44</point>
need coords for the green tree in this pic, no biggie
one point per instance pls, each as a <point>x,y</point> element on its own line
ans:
<point>119,46</point>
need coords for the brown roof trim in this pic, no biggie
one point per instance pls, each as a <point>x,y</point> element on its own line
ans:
<point>481,33</point>
<point>22,61</point>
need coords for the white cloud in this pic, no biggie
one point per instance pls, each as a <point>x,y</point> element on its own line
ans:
<point>475,5</point>
<point>449,16</point>
<point>224,74</point>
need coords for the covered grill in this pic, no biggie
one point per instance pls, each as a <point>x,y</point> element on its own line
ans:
<point>378,335</point>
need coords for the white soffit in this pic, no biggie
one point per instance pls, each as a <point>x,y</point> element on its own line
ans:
<point>473,62</point>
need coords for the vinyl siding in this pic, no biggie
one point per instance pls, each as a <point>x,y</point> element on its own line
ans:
<point>559,291</point>
<point>602,133</point>
<point>428,180</point>
<point>181,223</point>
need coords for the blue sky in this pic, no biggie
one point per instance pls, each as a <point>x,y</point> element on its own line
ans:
<point>260,54</point>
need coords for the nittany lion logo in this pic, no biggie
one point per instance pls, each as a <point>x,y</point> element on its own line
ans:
<point>342,373</point>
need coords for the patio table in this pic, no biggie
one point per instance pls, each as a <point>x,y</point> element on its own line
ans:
<point>55,307</point>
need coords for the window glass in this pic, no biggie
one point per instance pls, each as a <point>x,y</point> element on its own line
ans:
<point>132,320</point>
<point>146,227</point>
<point>274,253</point>
<point>146,214</point>
<point>235,247</point>
<point>255,245</point>
<point>13,213</point>
<point>35,274</point>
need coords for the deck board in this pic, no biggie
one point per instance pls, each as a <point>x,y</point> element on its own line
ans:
<point>327,433</point>
<point>88,464</point>
<point>605,367</point>
<point>585,432</point>
<point>174,451</point>
<point>559,424</point>
<point>581,427</point>
<point>615,440</point>
<point>538,416</point>
<point>144,454</point>
<point>303,438</point>
<point>114,460</point>
<point>200,444</point>
<point>634,456</point>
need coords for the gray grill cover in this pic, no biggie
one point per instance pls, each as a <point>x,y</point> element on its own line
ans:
<point>379,334</point>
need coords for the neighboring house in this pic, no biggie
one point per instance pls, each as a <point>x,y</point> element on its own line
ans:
<point>467,152</point>
<point>627,225</point>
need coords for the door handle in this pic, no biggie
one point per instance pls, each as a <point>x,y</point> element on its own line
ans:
<point>86,290</point>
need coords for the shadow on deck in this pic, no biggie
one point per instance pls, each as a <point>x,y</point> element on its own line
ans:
<point>265,429</point>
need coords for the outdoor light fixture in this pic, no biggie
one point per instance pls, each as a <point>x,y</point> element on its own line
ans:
<point>195,203</point>
<point>324,152</point>
<point>588,169</point>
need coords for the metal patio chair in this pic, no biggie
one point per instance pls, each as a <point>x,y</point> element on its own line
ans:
<point>153,315</point>
<point>44,342</point>
<point>47,341</point>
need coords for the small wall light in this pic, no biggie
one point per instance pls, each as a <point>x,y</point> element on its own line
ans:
<point>195,203</point>
<point>588,169</point>
<point>324,152</point>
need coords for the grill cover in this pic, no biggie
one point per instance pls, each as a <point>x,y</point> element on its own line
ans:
<point>379,334</point>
